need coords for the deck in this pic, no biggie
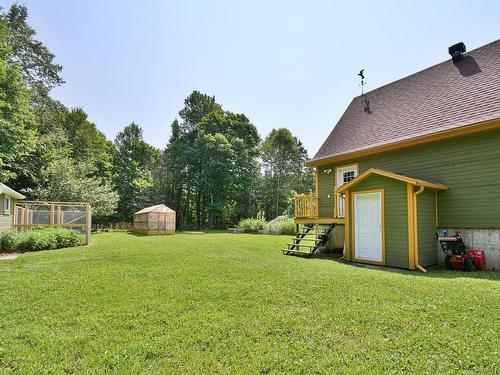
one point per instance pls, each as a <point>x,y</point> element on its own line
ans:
<point>306,210</point>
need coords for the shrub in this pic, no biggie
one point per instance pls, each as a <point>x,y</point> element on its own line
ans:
<point>39,239</point>
<point>285,226</point>
<point>67,238</point>
<point>253,225</point>
<point>9,241</point>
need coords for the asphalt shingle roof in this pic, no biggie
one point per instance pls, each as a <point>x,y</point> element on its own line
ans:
<point>443,97</point>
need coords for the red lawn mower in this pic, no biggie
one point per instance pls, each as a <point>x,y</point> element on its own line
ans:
<point>459,256</point>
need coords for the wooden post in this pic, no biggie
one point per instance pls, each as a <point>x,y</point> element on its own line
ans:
<point>52,214</point>
<point>58,215</point>
<point>347,239</point>
<point>26,217</point>
<point>88,223</point>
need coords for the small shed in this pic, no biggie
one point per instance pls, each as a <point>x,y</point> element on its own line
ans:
<point>154,220</point>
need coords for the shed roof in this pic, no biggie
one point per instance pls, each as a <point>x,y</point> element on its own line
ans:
<point>157,208</point>
<point>395,176</point>
<point>4,189</point>
<point>443,98</point>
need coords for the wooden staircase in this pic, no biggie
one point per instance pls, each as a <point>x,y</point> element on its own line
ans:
<point>309,239</point>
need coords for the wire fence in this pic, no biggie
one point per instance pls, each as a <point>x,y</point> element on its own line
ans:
<point>75,216</point>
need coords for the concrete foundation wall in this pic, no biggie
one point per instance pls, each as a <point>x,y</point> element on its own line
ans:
<point>337,237</point>
<point>487,240</point>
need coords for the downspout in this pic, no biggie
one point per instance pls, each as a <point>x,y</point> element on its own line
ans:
<point>415,221</point>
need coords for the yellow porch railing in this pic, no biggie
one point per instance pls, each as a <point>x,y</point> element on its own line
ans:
<point>306,205</point>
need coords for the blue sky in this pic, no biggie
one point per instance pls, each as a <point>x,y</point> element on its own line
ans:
<point>282,63</point>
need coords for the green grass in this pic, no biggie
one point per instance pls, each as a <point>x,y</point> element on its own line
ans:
<point>224,303</point>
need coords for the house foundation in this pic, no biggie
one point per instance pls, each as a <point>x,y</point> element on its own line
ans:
<point>487,240</point>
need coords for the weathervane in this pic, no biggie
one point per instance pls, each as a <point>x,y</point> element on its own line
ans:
<point>362,80</point>
<point>366,106</point>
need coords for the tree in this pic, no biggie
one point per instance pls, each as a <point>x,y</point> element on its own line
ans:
<point>196,106</point>
<point>283,158</point>
<point>87,143</point>
<point>31,56</point>
<point>133,163</point>
<point>16,117</point>
<point>65,180</point>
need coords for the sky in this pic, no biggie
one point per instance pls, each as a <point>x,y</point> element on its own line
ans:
<point>283,63</point>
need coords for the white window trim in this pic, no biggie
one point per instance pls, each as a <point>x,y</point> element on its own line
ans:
<point>342,169</point>
<point>6,210</point>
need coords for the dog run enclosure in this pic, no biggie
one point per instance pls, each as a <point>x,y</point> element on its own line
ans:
<point>71,215</point>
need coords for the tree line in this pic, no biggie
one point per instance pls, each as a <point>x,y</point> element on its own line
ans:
<point>214,170</point>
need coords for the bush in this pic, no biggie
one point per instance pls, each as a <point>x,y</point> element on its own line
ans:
<point>67,238</point>
<point>8,241</point>
<point>252,225</point>
<point>39,239</point>
<point>285,226</point>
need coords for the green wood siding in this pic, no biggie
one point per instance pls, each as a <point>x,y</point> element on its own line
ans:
<point>325,188</point>
<point>396,217</point>
<point>469,165</point>
<point>426,232</point>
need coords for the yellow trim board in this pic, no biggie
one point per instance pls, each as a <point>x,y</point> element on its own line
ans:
<point>392,175</point>
<point>445,134</point>
<point>382,213</point>
<point>322,220</point>
<point>347,237</point>
<point>316,181</point>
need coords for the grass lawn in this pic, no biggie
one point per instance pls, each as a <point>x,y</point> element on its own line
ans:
<point>224,303</point>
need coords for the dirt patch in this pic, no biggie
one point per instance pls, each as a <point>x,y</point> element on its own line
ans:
<point>9,256</point>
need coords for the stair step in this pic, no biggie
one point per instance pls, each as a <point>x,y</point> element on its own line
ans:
<point>314,232</point>
<point>312,235</point>
<point>307,239</point>
<point>301,244</point>
<point>296,252</point>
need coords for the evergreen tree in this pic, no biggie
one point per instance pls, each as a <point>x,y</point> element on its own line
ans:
<point>133,165</point>
<point>283,158</point>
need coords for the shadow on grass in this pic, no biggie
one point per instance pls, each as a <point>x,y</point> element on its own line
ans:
<point>433,272</point>
<point>135,234</point>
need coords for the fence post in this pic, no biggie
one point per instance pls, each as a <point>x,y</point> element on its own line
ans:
<point>88,223</point>
<point>52,214</point>
<point>26,216</point>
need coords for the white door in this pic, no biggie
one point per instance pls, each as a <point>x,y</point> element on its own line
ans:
<point>368,226</point>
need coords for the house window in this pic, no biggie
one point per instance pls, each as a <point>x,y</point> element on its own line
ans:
<point>345,174</point>
<point>6,206</point>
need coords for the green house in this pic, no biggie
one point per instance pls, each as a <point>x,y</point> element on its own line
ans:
<point>412,158</point>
